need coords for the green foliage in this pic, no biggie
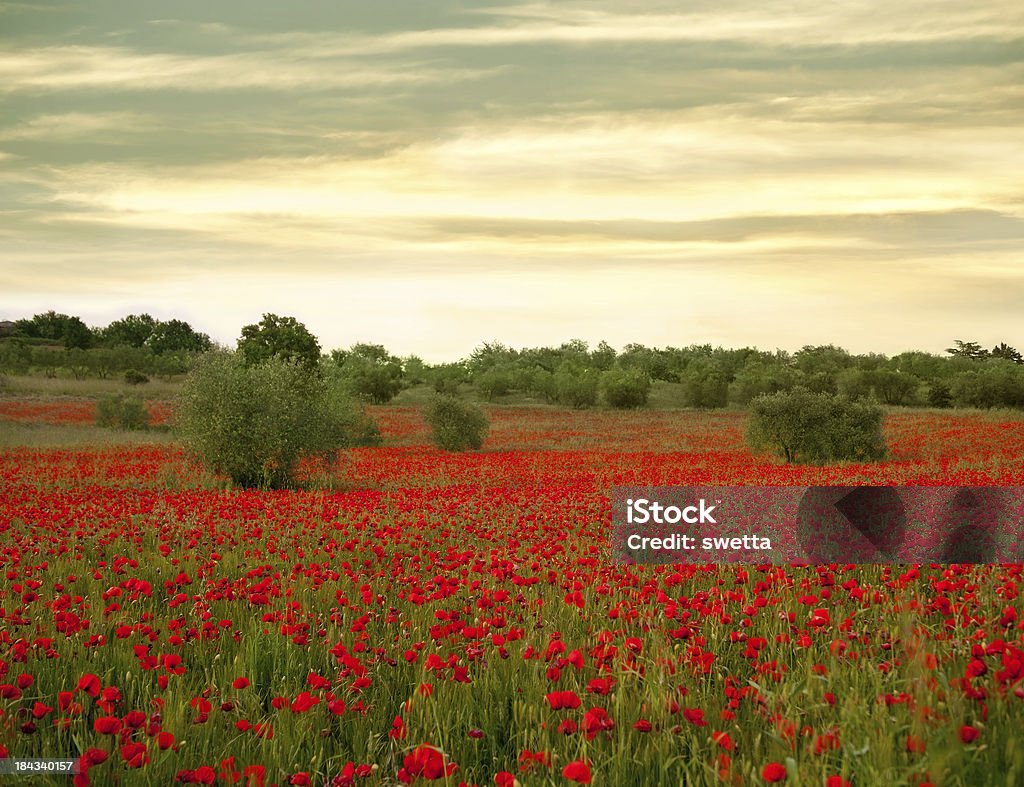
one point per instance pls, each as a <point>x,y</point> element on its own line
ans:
<point>494,383</point>
<point>457,425</point>
<point>284,338</point>
<point>759,377</point>
<point>816,428</point>
<point>993,383</point>
<point>135,377</point>
<point>939,394</point>
<point>625,388</point>
<point>121,412</point>
<point>575,386</point>
<point>705,384</point>
<point>971,350</point>
<point>369,372</point>
<point>177,336</point>
<point>254,423</point>
<point>130,331</point>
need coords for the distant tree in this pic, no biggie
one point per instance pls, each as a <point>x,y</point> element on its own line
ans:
<point>575,386</point>
<point>603,358</point>
<point>49,325</point>
<point>414,370</point>
<point>495,382</point>
<point>488,355</point>
<point>255,422</point>
<point>760,377</point>
<point>705,385</point>
<point>457,425</point>
<point>56,327</point>
<point>133,330</point>
<point>284,338</point>
<point>177,336</point>
<point>369,372</point>
<point>816,428</point>
<point>994,383</point>
<point>77,335</point>
<point>1006,352</point>
<point>121,412</point>
<point>625,388</point>
<point>971,350</point>
<point>939,394</point>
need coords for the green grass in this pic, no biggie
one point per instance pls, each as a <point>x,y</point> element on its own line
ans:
<point>33,385</point>
<point>34,435</point>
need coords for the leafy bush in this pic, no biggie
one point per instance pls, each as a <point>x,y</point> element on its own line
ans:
<point>817,428</point>
<point>457,425</point>
<point>995,383</point>
<point>368,371</point>
<point>575,387</point>
<point>255,423</point>
<point>625,388</point>
<point>494,383</point>
<point>121,412</point>
<point>135,377</point>
<point>939,394</point>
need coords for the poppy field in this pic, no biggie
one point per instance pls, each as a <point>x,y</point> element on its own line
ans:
<point>417,617</point>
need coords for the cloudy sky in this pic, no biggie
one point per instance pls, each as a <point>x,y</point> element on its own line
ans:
<point>431,175</point>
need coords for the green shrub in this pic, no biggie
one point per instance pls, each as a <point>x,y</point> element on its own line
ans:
<point>939,394</point>
<point>121,412</point>
<point>625,388</point>
<point>575,387</point>
<point>457,425</point>
<point>135,377</point>
<point>494,383</point>
<point>255,423</point>
<point>816,428</point>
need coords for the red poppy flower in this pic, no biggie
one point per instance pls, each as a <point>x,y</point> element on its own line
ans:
<point>577,771</point>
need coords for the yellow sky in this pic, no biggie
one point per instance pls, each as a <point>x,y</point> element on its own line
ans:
<point>766,174</point>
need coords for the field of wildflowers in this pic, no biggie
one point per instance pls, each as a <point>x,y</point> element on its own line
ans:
<point>456,618</point>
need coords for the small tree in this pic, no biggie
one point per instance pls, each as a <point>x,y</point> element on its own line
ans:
<point>457,425</point>
<point>816,428</point>
<point>625,388</point>
<point>255,423</point>
<point>284,338</point>
<point>575,386</point>
<point>121,412</point>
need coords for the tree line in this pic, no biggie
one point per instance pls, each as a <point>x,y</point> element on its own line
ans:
<point>573,374</point>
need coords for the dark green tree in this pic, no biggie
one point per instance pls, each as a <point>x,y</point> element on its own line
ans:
<point>971,350</point>
<point>177,336</point>
<point>284,338</point>
<point>132,331</point>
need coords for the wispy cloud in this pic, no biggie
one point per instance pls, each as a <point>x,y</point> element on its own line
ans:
<point>120,68</point>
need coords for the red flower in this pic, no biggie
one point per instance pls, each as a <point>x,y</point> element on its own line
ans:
<point>427,762</point>
<point>107,725</point>
<point>301,779</point>
<point>90,684</point>
<point>773,772</point>
<point>597,720</point>
<point>577,771</point>
<point>915,745</point>
<point>560,700</point>
<point>836,781</point>
<point>135,755</point>
<point>723,740</point>
<point>240,683</point>
<point>642,726</point>
<point>504,779</point>
<point>969,734</point>
<point>695,716</point>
